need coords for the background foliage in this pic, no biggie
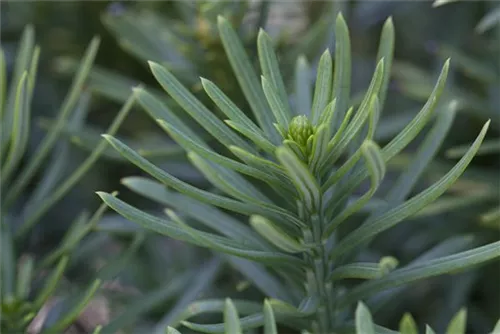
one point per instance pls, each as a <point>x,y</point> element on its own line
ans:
<point>163,270</point>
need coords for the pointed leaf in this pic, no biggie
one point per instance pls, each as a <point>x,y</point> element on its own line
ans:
<point>386,52</point>
<point>240,188</point>
<point>425,154</point>
<point>255,137</point>
<point>301,177</point>
<point>73,179</point>
<point>327,114</point>
<point>50,140</point>
<point>429,330</point>
<point>158,151</point>
<point>295,149</point>
<point>179,230</point>
<point>353,159</point>
<point>275,235</point>
<point>319,146</point>
<point>33,70</point>
<point>21,65</point>
<point>257,161</point>
<point>341,130</point>
<point>206,214</point>
<point>369,98</point>
<point>189,145</point>
<point>228,107</point>
<point>148,221</point>
<point>231,318</point>
<point>375,164</point>
<point>407,325</point>
<point>447,247</point>
<point>323,87</point>
<point>362,114</point>
<point>222,161</point>
<point>159,110</point>
<point>404,137</point>
<point>303,94</point>
<point>278,108</point>
<point>229,182</point>
<point>410,207</point>
<point>195,108</point>
<point>342,77</point>
<point>269,322</point>
<point>230,247</point>
<point>191,191</point>
<point>458,324</point>
<point>246,76</point>
<point>364,322</point>
<point>271,71</point>
<point>458,262</point>
<point>387,264</point>
<point>19,129</point>
<point>415,126</point>
<point>97,330</point>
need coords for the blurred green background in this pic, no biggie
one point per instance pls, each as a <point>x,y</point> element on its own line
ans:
<point>425,37</point>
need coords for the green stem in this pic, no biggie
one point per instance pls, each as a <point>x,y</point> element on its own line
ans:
<point>317,284</point>
<point>326,291</point>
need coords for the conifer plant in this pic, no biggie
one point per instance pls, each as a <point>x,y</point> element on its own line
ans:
<point>287,189</point>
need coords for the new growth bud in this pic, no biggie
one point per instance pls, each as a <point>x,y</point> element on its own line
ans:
<point>299,130</point>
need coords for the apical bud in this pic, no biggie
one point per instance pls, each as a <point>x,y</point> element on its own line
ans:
<point>300,129</point>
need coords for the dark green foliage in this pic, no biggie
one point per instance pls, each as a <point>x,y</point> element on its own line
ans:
<point>298,214</point>
<point>316,197</point>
